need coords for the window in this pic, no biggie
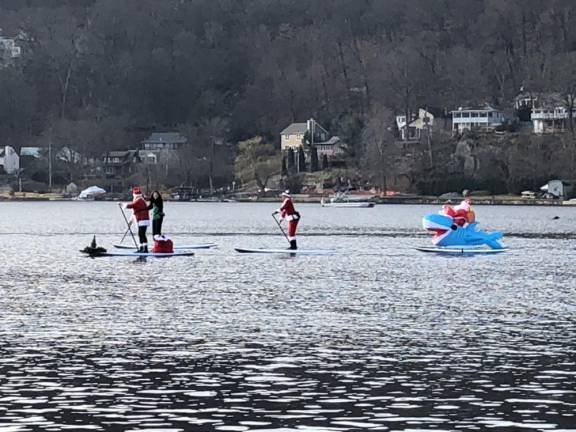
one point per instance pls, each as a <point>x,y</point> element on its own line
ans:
<point>457,115</point>
<point>466,115</point>
<point>474,114</point>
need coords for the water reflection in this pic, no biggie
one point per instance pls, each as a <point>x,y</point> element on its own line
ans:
<point>377,337</point>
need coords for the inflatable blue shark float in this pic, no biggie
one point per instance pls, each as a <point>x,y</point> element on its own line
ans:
<point>449,235</point>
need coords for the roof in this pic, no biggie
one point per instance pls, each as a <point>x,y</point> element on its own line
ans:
<point>166,137</point>
<point>118,153</point>
<point>295,128</point>
<point>485,107</point>
<point>332,141</point>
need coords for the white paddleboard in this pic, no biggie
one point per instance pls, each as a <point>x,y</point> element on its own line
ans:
<point>139,254</point>
<point>460,251</point>
<point>286,251</point>
<point>183,247</point>
<point>349,205</point>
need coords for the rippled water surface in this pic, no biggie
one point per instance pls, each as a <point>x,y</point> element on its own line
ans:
<point>375,337</point>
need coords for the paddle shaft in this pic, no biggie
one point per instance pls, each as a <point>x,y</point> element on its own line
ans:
<point>125,234</point>
<point>129,228</point>
<point>281,229</point>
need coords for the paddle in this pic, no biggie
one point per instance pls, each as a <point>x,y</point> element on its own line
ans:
<point>281,229</point>
<point>128,225</point>
<point>125,234</point>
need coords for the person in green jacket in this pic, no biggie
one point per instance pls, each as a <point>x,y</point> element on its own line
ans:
<point>157,206</point>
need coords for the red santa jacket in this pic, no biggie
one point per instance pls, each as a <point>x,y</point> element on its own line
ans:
<point>140,209</point>
<point>287,211</point>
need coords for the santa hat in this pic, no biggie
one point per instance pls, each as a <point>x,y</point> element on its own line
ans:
<point>286,194</point>
<point>136,190</point>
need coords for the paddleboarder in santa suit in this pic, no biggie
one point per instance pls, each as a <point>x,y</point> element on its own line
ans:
<point>289,213</point>
<point>140,215</point>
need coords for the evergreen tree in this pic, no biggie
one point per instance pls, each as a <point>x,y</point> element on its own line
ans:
<point>301,160</point>
<point>314,159</point>
<point>284,168</point>
<point>290,161</point>
<point>325,163</point>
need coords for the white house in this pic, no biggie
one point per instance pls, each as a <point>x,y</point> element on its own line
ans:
<point>486,118</point>
<point>547,120</point>
<point>8,51</point>
<point>558,189</point>
<point>9,160</point>
<point>425,120</point>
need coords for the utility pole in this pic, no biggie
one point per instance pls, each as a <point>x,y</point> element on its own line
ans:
<point>50,161</point>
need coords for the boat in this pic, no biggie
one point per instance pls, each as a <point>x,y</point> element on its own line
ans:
<point>286,251</point>
<point>347,204</point>
<point>460,250</point>
<point>90,193</point>
<point>183,247</point>
<point>345,200</point>
<point>137,254</point>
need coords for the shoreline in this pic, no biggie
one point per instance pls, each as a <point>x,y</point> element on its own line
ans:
<point>314,199</point>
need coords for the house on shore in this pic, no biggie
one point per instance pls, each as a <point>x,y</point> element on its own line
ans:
<point>120,164</point>
<point>548,112</point>
<point>427,120</point>
<point>164,141</point>
<point>9,160</point>
<point>477,118</point>
<point>294,136</point>
<point>9,51</point>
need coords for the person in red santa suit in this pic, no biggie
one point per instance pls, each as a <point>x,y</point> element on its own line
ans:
<point>462,213</point>
<point>140,216</point>
<point>289,213</point>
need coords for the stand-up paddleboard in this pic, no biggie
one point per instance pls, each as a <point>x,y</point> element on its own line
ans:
<point>460,251</point>
<point>348,204</point>
<point>138,254</point>
<point>183,247</point>
<point>286,251</point>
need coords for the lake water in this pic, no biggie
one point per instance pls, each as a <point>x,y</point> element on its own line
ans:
<point>377,337</point>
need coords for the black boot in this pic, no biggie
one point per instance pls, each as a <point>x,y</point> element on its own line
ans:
<point>293,245</point>
<point>145,248</point>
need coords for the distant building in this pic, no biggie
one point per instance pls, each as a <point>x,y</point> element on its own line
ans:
<point>9,51</point>
<point>562,189</point>
<point>9,160</point>
<point>31,152</point>
<point>332,148</point>
<point>294,135</point>
<point>426,119</point>
<point>162,141</point>
<point>63,154</point>
<point>477,118</point>
<point>547,111</point>
<point>550,114</point>
<point>121,164</point>
<point>550,120</point>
